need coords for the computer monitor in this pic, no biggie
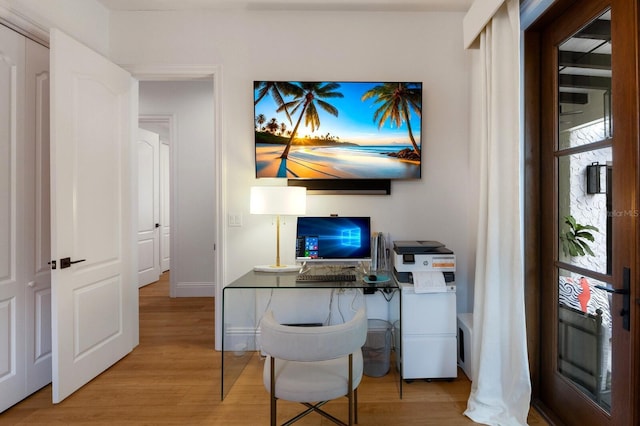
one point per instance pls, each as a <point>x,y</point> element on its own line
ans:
<point>333,239</point>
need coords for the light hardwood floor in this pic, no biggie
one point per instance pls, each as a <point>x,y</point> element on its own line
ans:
<point>173,378</point>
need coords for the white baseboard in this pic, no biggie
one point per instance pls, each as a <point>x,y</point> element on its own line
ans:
<point>240,339</point>
<point>195,289</point>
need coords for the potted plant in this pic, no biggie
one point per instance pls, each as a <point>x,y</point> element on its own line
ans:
<point>576,239</point>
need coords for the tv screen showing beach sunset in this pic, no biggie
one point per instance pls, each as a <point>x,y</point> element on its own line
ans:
<point>338,130</point>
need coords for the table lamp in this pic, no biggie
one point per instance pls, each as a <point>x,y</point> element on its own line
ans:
<point>278,201</point>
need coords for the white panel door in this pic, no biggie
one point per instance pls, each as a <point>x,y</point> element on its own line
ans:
<point>95,302</point>
<point>165,210</point>
<point>38,217</point>
<point>12,271</point>
<point>148,207</point>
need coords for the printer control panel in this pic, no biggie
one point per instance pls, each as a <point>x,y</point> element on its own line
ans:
<point>408,258</point>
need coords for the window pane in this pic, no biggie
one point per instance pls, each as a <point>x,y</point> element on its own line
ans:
<point>584,335</point>
<point>584,85</point>
<point>584,222</point>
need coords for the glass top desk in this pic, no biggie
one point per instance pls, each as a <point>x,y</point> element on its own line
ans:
<point>245,300</point>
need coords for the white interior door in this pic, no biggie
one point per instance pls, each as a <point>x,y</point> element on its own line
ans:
<point>25,278</point>
<point>162,124</point>
<point>95,302</point>
<point>148,207</point>
<point>38,216</point>
<point>165,207</point>
<point>12,223</point>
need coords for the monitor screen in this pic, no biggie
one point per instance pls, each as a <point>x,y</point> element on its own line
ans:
<point>333,238</point>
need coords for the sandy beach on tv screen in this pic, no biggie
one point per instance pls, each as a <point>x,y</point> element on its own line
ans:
<point>331,162</point>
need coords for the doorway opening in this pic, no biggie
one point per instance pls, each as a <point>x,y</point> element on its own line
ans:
<point>180,112</point>
<point>185,192</point>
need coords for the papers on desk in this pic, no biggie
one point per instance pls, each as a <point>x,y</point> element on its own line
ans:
<point>380,252</point>
<point>428,282</point>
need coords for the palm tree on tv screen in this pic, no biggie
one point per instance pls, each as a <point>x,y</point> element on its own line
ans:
<point>308,95</point>
<point>277,89</point>
<point>260,120</point>
<point>272,126</point>
<point>396,99</point>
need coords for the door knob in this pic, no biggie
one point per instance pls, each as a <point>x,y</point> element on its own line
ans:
<point>625,292</point>
<point>611,290</point>
<point>67,262</point>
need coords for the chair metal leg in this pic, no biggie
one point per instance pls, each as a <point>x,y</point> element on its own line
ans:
<point>355,405</point>
<point>350,390</point>
<point>352,397</point>
<point>273,392</point>
<point>314,408</point>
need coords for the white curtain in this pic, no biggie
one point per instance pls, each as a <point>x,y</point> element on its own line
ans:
<point>501,387</point>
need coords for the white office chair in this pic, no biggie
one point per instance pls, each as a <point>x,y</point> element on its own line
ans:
<point>313,365</point>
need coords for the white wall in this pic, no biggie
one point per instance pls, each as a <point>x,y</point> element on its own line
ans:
<point>193,224</point>
<point>85,20</point>
<point>255,45</point>
<point>259,45</point>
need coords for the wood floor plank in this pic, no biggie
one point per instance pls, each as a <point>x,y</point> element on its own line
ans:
<point>173,378</point>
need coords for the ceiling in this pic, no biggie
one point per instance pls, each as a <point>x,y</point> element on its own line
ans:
<point>309,5</point>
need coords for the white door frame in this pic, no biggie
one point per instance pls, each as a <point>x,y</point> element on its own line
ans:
<point>190,72</point>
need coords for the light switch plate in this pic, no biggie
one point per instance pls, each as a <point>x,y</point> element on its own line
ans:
<point>235,219</point>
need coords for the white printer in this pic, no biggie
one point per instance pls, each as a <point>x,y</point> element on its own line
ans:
<point>411,257</point>
<point>427,317</point>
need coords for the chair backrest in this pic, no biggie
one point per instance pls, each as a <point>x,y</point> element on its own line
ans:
<point>313,343</point>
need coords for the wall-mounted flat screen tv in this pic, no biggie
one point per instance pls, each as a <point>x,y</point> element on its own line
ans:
<point>338,130</point>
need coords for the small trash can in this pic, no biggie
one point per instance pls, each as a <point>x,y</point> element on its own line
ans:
<point>376,351</point>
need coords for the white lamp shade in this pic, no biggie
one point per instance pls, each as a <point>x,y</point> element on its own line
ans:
<point>278,200</point>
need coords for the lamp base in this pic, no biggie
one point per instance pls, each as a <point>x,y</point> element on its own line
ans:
<point>274,268</point>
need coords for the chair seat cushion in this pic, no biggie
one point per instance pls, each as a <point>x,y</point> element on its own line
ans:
<point>313,381</point>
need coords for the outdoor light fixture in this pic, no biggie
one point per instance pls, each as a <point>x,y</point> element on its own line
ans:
<point>597,178</point>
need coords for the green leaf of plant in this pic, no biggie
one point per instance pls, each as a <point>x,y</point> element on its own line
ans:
<point>575,249</point>
<point>585,235</point>
<point>580,227</point>
<point>586,248</point>
<point>575,240</point>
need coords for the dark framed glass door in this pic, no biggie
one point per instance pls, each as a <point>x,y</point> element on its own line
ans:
<point>588,232</point>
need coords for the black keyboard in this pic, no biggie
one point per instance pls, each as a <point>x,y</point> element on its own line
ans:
<point>316,278</point>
